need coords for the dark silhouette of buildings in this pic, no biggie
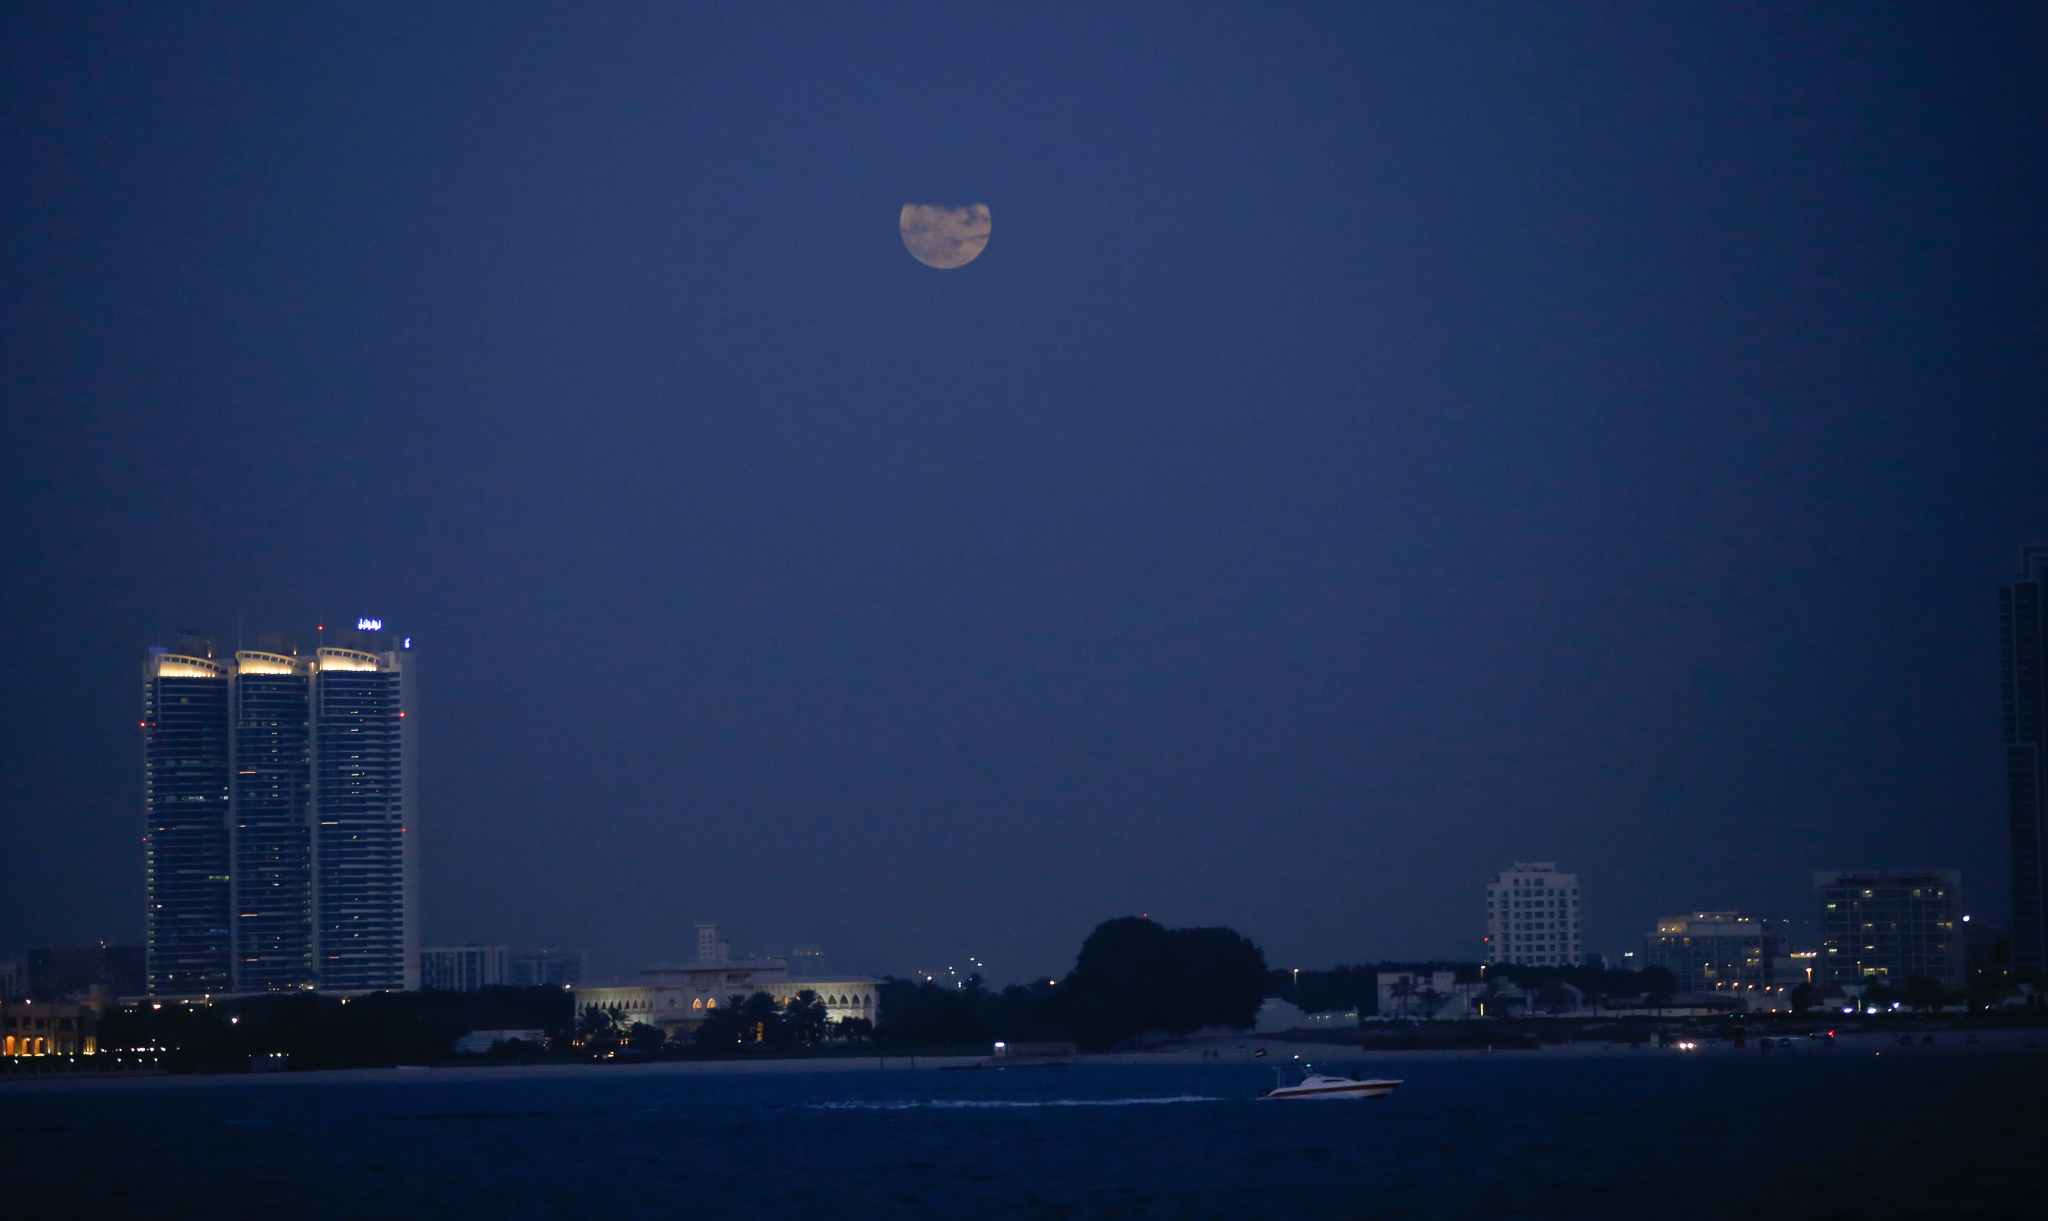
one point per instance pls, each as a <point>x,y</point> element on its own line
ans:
<point>56,972</point>
<point>2024,690</point>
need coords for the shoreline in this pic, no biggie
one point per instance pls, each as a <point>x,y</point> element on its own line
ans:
<point>1857,1044</point>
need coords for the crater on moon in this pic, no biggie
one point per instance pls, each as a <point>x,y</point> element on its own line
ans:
<point>944,237</point>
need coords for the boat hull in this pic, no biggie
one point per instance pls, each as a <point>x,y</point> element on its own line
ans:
<point>1332,1090</point>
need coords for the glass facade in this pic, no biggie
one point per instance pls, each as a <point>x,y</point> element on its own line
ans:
<point>464,968</point>
<point>187,944</point>
<point>2022,643</point>
<point>560,968</point>
<point>1707,950</point>
<point>359,834</point>
<point>273,849</point>
<point>1880,927</point>
<point>278,856</point>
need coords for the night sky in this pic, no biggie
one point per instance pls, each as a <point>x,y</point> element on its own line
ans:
<point>1379,444</point>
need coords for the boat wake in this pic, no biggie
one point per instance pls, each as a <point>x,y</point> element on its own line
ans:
<point>945,1104</point>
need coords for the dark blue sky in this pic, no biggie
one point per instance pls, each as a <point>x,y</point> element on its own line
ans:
<point>1379,444</point>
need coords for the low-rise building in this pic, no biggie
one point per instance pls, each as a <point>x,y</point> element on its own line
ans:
<point>43,1028</point>
<point>1709,950</point>
<point>1277,1015</point>
<point>678,998</point>
<point>1439,997</point>
<point>479,1042</point>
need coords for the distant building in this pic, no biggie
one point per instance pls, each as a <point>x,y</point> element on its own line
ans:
<point>1276,1015</point>
<point>1709,950</point>
<point>465,968</point>
<point>281,847</point>
<point>2023,687</point>
<point>1795,967</point>
<point>1881,926</point>
<point>30,1028</point>
<point>1438,997</point>
<point>1535,916</point>
<point>59,971</point>
<point>13,977</point>
<point>480,1042</point>
<point>186,777</point>
<point>1987,949</point>
<point>553,968</point>
<point>679,998</point>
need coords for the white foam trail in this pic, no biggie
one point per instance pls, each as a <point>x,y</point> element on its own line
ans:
<point>1004,1104</point>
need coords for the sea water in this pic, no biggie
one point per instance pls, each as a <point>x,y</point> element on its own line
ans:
<point>1653,1134</point>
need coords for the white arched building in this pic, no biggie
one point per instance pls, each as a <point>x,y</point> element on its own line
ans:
<point>678,998</point>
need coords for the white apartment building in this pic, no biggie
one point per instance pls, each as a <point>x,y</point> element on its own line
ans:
<point>1535,916</point>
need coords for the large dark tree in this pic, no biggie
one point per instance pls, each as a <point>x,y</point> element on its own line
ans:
<point>928,1015</point>
<point>1135,976</point>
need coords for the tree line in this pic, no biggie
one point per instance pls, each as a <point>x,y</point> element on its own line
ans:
<point>1133,977</point>
<point>380,1029</point>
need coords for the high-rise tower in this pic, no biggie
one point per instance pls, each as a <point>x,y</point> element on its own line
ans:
<point>185,845</point>
<point>283,844</point>
<point>365,869</point>
<point>269,828</point>
<point>2022,650</point>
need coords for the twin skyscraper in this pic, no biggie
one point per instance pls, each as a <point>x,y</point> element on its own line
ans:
<point>283,841</point>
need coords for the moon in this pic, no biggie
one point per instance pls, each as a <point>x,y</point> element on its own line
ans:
<point>944,237</point>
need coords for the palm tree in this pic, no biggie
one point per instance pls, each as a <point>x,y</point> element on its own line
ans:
<point>806,1017</point>
<point>760,1018</point>
<point>601,1025</point>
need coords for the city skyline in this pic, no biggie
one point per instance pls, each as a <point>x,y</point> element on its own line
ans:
<point>1374,446</point>
<point>258,679</point>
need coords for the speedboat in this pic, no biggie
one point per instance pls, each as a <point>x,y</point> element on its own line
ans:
<point>1320,1085</point>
